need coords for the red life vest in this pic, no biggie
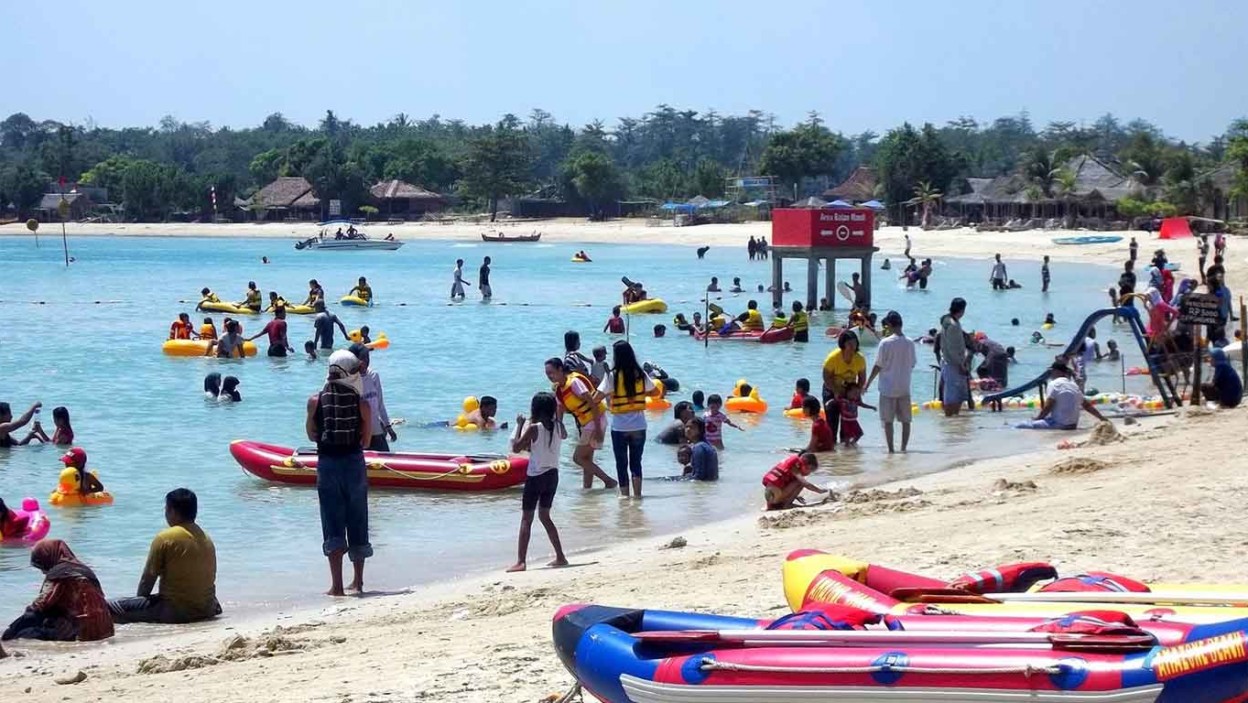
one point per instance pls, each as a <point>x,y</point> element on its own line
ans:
<point>783,474</point>
<point>1008,578</point>
<point>1096,582</point>
<point>180,330</point>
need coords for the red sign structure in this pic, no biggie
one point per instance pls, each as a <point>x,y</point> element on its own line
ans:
<point>823,228</point>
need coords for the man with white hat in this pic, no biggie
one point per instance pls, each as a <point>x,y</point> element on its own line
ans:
<point>340,422</point>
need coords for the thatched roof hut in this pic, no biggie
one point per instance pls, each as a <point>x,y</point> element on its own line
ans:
<point>398,199</point>
<point>860,186</point>
<point>288,196</point>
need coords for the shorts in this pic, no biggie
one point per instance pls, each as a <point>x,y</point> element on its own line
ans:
<point>895,409</point>
<point>486,291</point>
<point>956,388</point>
<point>539,490</point>
<point>277,350</point>
<point>591,435</point>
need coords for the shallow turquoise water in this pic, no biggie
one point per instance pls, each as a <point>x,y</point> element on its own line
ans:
<point>142,418</point>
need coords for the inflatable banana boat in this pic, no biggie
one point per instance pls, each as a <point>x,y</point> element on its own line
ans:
<point>812,578</point>
<point>221,306</point>
<point>355,301</point>
<point>769,336</point>
<point>645,307</point>
<point>634,656</point>
<point>409,470</point>
<point>197,347</point>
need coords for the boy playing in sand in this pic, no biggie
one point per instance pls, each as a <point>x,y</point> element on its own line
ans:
<point>783,484</point>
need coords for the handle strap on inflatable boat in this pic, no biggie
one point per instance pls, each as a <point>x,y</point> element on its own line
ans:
<point>850,638</point>
<point>1238,600</point>
<point>940,595</point>
<point>1026,670</point>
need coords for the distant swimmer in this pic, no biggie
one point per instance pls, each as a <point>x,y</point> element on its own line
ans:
<point>887,265</point>
<point>362,290</point>
<point>714,285</point>
<point>702,252</point>
<point>736,286</point>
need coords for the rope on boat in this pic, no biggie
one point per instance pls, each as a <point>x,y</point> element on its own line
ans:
<point>572,693</point>
<point>1027,670</point>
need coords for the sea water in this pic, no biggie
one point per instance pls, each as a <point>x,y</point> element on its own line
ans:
<point>88,337</point>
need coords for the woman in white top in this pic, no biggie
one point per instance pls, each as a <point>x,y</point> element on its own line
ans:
<point>626,389</point>
<point>542,437</point>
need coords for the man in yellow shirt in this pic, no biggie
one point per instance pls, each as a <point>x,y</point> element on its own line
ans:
<point>184,560</point>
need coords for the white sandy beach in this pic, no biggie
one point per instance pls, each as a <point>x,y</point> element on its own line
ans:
<point>1161,504</point>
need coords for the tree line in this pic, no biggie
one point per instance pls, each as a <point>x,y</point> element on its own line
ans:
<point>666,154</point>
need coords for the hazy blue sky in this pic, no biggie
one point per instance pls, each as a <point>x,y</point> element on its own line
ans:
<point>863,65</point>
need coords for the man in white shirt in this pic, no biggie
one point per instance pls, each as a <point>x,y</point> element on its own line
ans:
<point>1061,408</point>
<point>381,429</point>
<point>998,276</point>
<point>894,362</point>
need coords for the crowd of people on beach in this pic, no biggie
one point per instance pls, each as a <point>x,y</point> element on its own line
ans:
<point>605,394</point>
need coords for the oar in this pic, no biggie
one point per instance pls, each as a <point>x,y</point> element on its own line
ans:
<point>858,638</point>
<point>1161,597</point>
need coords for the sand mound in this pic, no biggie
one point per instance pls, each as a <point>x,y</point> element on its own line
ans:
<point>875,495</point>
<point>786,519</point>
<point>237,648</point>
<point>1103,434</point>
<point>1002,485</point>
<point>1078,465</point>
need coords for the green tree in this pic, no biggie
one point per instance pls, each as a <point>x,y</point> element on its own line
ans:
<point>907,157</point>
<point>663,180</point>
<point>107,173</point>
<point>708,178</point>
<point>1180,182</point>
<point>1237,153</point>
<point>497,165</point>
<point>1041,170</point>
<point>926,196</point>
<point>24,185</point>
<point>595,179</point>
<point>1065,183</point>
<point>805,151</point>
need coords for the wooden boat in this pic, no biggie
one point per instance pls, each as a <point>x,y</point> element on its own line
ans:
<point>517,238</point>
<point>408,470</point>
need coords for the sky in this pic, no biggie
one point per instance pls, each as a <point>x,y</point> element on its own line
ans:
<point>862,65</point>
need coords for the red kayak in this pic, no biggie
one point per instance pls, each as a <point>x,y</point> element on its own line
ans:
<point>771,336</point>
<point>446,472</point>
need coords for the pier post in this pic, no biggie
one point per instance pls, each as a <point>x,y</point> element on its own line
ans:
<point>777,280</point>
<point>812,282</point>
<point>830,273</point>
<point>865,269</point>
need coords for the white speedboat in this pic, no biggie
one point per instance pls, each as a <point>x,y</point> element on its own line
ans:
<point>347,237</point>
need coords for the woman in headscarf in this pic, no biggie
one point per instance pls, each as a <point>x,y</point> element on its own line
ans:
<point>71,604</point>
<point>1225,388</point>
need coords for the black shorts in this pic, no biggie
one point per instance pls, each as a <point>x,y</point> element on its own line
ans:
<point>539,491</point>
<point>802,336</point>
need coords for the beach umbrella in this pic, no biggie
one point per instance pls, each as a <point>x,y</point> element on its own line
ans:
<point>838,203</point>
<point>873,204</point>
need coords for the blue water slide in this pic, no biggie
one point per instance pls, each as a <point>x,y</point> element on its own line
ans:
<point>1130,314</point>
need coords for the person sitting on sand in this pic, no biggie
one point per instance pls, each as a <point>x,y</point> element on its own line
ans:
<point>70,606</point>
<point>1065,400</point>
<point>703,460</point>
<point>184,561</point>
<point>1225,388</point>
<point>783,484</point>
<point>541,436</point>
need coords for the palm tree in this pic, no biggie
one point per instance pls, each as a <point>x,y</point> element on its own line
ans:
<point>925,195</point>
<point>1066,182</point>
<point>1041,170</point>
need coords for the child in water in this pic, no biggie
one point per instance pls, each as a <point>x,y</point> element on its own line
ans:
<point>1113,354</point>
<point>541,436</point>
<point>229,390</point>
<point>783,484</point>
<point>63,435</point>
<point>699,401</point>
<point>851,431</point>
<point>208,330</point>
<point>600,368</point>
<point>821,439</point>
<point>801,389</point>
<point>1048,320</point>
<point>615,323</point>
<point>716,419</point>
<point>76,459</point>
<point>309,348</point>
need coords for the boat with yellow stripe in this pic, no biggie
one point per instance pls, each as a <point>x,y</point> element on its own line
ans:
<point>405,470</point>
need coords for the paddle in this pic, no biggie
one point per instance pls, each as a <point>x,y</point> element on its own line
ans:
<point>860,638</point>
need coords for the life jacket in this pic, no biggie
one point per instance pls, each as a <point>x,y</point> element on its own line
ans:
<point>801,322</point>
<point>581,410</point>
<point>212,298</point>
<point>779,323</point>
<point>1097,582</point>
<point>784,473</point>
<point>208,331</point>
<point>365,293</point>
<point>1008,578</point>
<point>626,401</point>
<point>180,330</point>
<point>753,320</point>
<point>338,418</point>
<point>253,299</point>
<point>1092,622</point>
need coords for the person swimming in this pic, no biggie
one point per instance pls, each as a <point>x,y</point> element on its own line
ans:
<point>736,286</point>
<point>886,265</point>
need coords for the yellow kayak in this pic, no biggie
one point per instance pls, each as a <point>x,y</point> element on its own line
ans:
<point>197,347</point>
<point>645,307</point>
<point>230,308</point>
<point>356,301</point>
<point>811,576</point>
